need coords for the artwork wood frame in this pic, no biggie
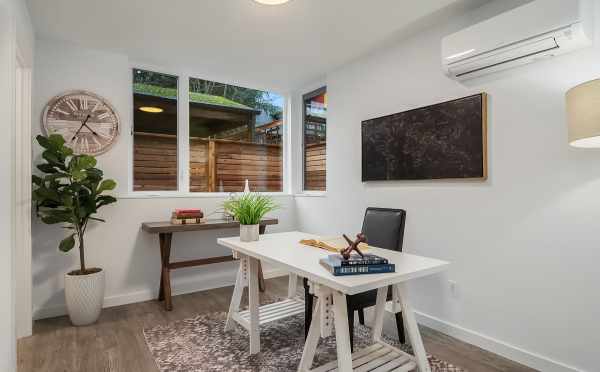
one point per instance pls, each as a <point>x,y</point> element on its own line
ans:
<point>447,140</point>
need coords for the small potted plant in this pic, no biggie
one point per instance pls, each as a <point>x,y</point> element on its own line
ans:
<point>249,208</point>
<point>70,193</point>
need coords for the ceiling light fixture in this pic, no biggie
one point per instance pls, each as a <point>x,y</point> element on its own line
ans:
<point>150,109</point>
<point>272,2</point>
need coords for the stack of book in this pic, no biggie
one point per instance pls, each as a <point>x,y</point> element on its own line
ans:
<point>356,265</point>
<point>187,216</point>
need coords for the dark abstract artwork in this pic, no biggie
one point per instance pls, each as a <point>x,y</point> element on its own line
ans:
<point>443,141</point>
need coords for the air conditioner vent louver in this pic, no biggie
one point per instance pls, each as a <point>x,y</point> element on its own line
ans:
<point>500,57</point>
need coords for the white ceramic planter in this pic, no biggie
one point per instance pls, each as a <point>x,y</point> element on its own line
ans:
<point>249,233</point>
<point>84,295</point>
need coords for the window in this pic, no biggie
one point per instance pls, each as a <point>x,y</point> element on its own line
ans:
<point>154,131</point>
<point>235,135</point>
<point>315,136</point>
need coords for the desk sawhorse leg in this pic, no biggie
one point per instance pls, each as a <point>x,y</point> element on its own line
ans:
<point>256,315</point>
<point>331,311</point>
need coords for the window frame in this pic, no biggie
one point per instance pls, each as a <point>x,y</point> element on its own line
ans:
<point>183,143</point>
<point>311,94</point>
<point>131,142</point>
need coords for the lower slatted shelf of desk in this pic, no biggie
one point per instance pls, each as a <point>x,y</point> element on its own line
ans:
<point>272,312</point>
<point>379,357</point>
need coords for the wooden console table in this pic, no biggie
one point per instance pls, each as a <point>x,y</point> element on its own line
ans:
<point>165,232</point>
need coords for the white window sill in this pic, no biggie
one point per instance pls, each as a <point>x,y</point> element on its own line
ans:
<point>190,195</point>
<point>311,194</point>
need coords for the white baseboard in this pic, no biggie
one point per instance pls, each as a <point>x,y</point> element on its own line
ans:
<point>178,287</point>
<point>517,354</point>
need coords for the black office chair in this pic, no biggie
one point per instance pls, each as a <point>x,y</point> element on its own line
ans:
<point>383,228</point>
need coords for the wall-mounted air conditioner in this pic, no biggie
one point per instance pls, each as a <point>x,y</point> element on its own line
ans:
<point>534,31</point>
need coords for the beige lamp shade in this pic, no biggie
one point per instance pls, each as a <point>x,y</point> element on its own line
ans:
<point>583,114</point>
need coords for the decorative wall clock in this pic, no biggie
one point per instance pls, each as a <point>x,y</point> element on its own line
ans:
<point>88,123</point>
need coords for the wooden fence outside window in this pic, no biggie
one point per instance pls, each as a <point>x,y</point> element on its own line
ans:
<point>215,165</point>
<point>314,166</point>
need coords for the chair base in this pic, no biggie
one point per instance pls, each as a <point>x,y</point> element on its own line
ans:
<point>308,311</point>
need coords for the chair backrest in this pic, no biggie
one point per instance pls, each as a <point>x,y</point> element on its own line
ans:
<point>384,227</point>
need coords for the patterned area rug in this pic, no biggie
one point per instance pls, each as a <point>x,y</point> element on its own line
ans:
<point>201,344</point>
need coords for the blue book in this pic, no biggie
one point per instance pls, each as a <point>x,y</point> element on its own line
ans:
<point>356,259</point>
<point>334,267</point>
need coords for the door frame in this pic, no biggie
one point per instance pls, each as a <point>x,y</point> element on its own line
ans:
<point>22,189</point>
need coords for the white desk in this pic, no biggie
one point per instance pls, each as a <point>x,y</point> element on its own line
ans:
<point>284,251</point>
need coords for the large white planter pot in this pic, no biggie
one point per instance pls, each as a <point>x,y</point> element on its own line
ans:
<point>249,233</point>
<point>84,295</point>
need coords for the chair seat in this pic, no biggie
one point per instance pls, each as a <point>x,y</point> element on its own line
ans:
<point>365,299</point>
<point>361,300</point>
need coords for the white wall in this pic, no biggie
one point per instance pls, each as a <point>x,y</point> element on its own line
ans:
<point>524,244</point>
<point>15,33</point>
<point>129,256</point>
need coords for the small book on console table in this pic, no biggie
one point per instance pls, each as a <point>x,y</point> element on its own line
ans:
<point>334,266</point>
<point>187,221</point>
<point>332,244</point>
<point>187,217</point>
<point>188,213</point>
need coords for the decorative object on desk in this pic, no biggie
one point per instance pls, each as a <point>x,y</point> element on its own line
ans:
<point>331,244</point>
<point>347,263</point>
<point>249,208</point>
<point>583,114</point>
<point>70,193</point>
<point>187,216</point>
<point>353,245</point>
<point>443,141</point>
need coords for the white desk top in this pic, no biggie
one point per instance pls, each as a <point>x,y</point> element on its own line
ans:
<point>285,251</point>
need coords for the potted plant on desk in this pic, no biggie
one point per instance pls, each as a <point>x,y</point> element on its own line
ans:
<point>249,208</point>
<point>70,193</point>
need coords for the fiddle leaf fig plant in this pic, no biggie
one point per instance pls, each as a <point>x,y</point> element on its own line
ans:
<point>70,192</point>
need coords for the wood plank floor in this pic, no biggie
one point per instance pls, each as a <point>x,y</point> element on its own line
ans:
<point>116,342</point>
